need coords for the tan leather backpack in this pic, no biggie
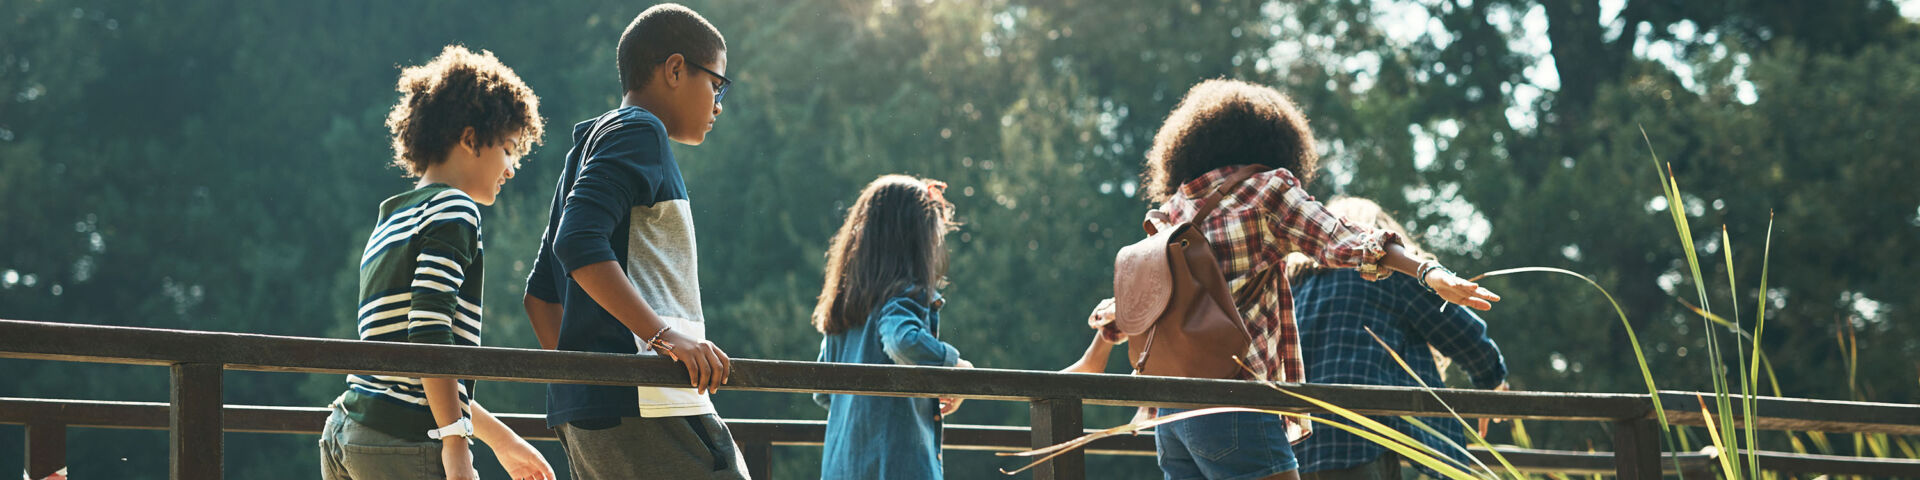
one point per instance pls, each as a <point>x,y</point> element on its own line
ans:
<point>1171,300</point>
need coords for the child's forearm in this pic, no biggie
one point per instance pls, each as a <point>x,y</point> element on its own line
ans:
<point>443,399</point>
<point>545,317</point>
<point>610,288</point>
<point>490,429</point>
<point>1095,358</point>
<point>1398,260</point>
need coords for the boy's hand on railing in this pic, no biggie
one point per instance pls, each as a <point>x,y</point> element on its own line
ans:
<point>456,459</point>
<point>949,405</point>
<point>522,461</point>
<point>1459,291</point>
<point>708,366</point>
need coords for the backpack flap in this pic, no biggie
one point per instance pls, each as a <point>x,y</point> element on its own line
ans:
<point>1143,282</point>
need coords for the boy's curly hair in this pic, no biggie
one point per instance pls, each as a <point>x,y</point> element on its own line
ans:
<point>456,90</point>
<point>1223,123</point>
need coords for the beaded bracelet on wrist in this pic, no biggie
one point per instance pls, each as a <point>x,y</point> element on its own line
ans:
<point>655,341</point>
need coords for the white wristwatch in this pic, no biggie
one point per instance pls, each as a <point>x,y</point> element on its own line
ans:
<point>462,428</point>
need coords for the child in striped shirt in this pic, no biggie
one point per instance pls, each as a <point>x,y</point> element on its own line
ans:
<point>461,125</point>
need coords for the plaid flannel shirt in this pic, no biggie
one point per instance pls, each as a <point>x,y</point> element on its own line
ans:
<point>1337,308</point>
<point>1256,225</point>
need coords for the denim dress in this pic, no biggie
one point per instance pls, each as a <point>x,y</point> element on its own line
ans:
<point>871,437</point>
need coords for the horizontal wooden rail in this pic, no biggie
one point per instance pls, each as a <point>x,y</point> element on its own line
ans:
<point>196,359</point>
<point>310,420</point>
<point>1838,465</point>
<point>148,346</point>
<point>1800,414</point>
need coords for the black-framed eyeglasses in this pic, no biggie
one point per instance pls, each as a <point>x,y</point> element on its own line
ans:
<point>720,91</point>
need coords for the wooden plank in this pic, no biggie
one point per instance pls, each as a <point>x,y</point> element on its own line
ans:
<point>992,438</point>
<point>46,448</point>
<point>1056,421</point>
<point>93,343</point>
<point>1636,449</point>
<point>195,432</point>
<point>1839,465</point>
<point>759,457</point>
<point>1799,414</point>
<point>309,420</point>
<point>1584,463</point>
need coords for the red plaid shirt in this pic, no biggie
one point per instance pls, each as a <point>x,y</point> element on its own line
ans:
<point>1256,225</point>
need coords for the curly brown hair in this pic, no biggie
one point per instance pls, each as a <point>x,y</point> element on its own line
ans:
<point>1222,123</point>
<point>456,90</point>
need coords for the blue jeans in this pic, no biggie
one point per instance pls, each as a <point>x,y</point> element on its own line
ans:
<point>1223,446</point>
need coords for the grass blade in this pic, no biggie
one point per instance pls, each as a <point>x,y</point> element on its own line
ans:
<point>1639,355</point>
<point>1765,364</point>
<point>1414,451</point>
<point>1422,426</point>
<point>1476,436</point>
<point>1670,185</point>
<point>1820,441</point>
<point>1734,437</point>
<point>1727,468</point>
<point>1759,329</point>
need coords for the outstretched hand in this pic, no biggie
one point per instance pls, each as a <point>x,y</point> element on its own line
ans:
<point>1459,291</point>
<point>522,461</point>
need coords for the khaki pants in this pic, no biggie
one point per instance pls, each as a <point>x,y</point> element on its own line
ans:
<point>351,451</point>
<point>695,447</point>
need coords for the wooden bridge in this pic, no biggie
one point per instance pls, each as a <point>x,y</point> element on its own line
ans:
<point>196,419</point>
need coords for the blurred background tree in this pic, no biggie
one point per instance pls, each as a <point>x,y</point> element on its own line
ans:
<point>216,166</point>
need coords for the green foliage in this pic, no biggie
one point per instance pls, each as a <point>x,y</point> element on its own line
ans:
<point>216,166</point>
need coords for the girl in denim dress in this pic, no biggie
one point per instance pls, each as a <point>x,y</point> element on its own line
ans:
<point>881,305</point>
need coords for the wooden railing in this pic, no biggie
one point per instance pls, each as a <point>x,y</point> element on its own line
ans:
<point>196,418</point>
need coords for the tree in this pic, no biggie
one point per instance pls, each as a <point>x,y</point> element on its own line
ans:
<point>214,166</point>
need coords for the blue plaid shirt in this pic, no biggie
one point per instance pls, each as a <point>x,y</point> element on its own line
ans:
<point>1336,307</point>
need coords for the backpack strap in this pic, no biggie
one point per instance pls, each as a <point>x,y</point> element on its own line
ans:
<point>1211,199</point>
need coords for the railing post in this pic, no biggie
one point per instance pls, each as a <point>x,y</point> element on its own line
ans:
<point>194,439</point>
<point>1636,449</point>
<point>759,456</point>
<point>46,449</point>
<point>1057,421</point>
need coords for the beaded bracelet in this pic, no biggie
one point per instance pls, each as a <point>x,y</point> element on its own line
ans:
<point>655,341</point>
<point>1426,268</point>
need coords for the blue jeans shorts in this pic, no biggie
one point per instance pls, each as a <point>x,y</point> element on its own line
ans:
<point>1223,446</point>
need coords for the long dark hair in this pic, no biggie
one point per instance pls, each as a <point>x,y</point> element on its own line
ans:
<point>892,239</point>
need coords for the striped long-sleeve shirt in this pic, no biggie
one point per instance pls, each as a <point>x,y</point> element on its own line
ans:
<point>420,282</point>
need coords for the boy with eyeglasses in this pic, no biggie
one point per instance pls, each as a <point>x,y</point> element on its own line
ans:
<point>617,272</point>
